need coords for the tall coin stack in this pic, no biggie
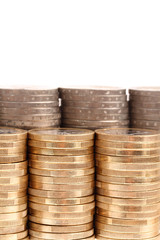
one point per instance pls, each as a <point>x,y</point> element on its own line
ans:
<point>145,107</point>
<point>13,184</point>
<point>28,107</point>
<point>94,107</point>
<point>61,193</point>
<point>127,184</point>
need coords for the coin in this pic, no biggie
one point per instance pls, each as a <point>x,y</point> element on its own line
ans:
<point>92,111</point>
<point>146,123</point>
<point>61,221</point>
<point>19,157</point>
<point>13,202</point>
<point>15,173</point>
<point>155,105</point>
<point>16,236</point>
<point>63,201</point>
<point>61,194</point>
<point>9,223</point>
<point>61,134</point>
<point>13,166</point>
<point>28,90</point>
<point>13,209</point>
<point>61,229</point>
<point>12,195</point>
<point>27,111</point>
<point>66,236</point>
<point>62,159</point>
<point>59,144</point>
<point>145,91</point>
<point>15,180</point>
<point>83,104</point>
<point>12,134</point>
<point>92,90</point>
<point>13,216</point>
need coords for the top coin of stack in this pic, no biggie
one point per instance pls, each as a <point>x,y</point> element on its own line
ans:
<point>61,193</point>
<point>94,107</point>
<point>145,107</point>
<point>13,184</point>
<point>29,107</point>
<point>127,184</point>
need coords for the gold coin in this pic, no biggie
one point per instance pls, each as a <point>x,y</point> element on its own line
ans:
<point>98,237</point>
<point>20,157</point>
<point>13,202</point>
<point>54,166</point>
<point>47,151</point>
<point>13,195</point>
<point>93,128</point>
<point>60,180</point>
<point>126,229</point>
<point>128,208</point>
<point>9,209</point>
<point>61,134</point>
<point>15,173</point>
<point>16,236</point>
<point>61,194</point>
<point>126,222</point>
<point>59,144</point>
<point>128,159</point>
<point>138,235</point>
<point>88,238</point>
<point>13,187</point>
<point>62,209</point>
<point>12,134</point>
<point>125,194</point>
<point>62,173</point>
<point>13,166</point>
<point>62,159</point>
<point>62,187</point>
<point>127,135</point>
<point>66,236</point>
<point>127,215</point>
<point>13,216</point>
<point>128,187</point>
<point>63,201</point>
<point>17,144</point>
<point>127,180</point>
<point>52,215</point>
<point>11,180</point>
<point>12,229</point>
<point>61,229</point>
<point>127,166</point>
<point>145,173</point>
<point>9,223</point>
<point>61,221</point>
<point>9,151</point>
<point>128,202</point>
<point>123,152</point>
<point>126,145</point>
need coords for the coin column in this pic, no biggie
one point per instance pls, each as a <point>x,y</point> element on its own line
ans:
<point>145,107</point>
<point>29,107</point>
<point>94,107</point>
<point>127,184</point>
<point>13,184</point>
<point>61,193</point>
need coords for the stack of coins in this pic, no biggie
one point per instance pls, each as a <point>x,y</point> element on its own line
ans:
<point>13,184</point>
<point>29,107</point>
<point>145,107</point>
<point>94,107</point>
<point>127,184</point>
<point>61,193</point>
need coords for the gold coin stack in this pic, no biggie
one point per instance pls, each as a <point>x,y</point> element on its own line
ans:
<point>61,192</point>
<point>13,184</point>
<point>94,107</point>
<point>29,107</point>
<point>127,184</point>
<point>145,107</point>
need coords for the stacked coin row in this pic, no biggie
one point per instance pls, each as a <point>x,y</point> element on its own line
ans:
<point>13,184</point>
<point>127,184</point>
<point>29,108</point>
<point>94,108</point>
<point>145,107</point>
<point>61,192</point>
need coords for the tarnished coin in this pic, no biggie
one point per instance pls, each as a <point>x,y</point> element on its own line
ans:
<point>83,104</point>
<point>23,111</point>
<point>28,90</point>
<point>92,90</point>
<point>145,91</point>
<point>151,124</point>
<point>81,117</point>
<point>28,98</point>
<point>20,105</point>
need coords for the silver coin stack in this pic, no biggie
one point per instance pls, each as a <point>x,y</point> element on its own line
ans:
<point>94,107</point>
<point>145,107</point>
<point>29,107</point>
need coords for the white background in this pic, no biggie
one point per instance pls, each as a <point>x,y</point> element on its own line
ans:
<point>82,42</point>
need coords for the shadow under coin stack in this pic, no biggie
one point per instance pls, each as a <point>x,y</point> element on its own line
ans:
<point>94,107</point>
<point>13,184</point>
<point>145,107</point>
<point>127,184</point>
<point>28,108</point>
<point>61,193</point>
